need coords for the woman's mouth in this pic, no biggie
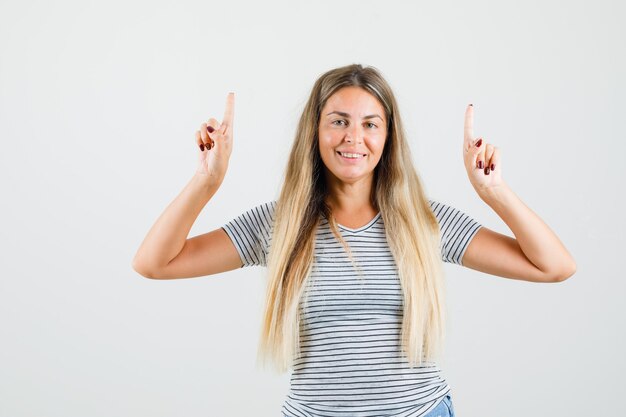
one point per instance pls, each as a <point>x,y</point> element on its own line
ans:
<point>351,156</point>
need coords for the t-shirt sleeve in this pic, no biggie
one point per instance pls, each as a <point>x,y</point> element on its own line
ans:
<point>457,230</point>
<point>251,233</point>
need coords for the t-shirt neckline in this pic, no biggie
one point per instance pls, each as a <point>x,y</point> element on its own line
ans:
<point>362,228</point>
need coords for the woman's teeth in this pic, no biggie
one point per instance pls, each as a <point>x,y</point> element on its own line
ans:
<point>351,155</point>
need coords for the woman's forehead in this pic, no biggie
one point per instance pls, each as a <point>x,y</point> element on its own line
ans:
<point>353,102</point>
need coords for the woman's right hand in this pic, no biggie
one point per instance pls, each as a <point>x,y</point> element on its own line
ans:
<point>215,141</point>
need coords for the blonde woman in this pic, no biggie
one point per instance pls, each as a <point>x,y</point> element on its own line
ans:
<point>353,248</point>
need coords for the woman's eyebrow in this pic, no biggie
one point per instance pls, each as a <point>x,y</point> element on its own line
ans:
<point>340,113</point>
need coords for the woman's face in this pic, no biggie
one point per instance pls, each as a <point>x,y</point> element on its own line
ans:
<point>352,133</point>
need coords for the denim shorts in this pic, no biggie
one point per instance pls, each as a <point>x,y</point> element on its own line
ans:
<point>443,409</point>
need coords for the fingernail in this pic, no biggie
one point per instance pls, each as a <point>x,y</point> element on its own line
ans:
<point>493,166</point>
<point>480,141</point>
<point>202,147</point>
<point>486,170</point>
<point>210,129</point>
<point>471,104</point>
<point>480,164</point>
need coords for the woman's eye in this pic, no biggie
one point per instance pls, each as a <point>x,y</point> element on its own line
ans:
<point>339,122</point>
<point>371,125</point>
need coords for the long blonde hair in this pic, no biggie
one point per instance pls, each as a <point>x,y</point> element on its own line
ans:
<point>411,229</point>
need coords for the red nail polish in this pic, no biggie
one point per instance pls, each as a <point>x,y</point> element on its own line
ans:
<point>471,105</point>
<point>480,164</point>
<point>480,142</point>
<point>486,170</point>
<point>210,129</point>
<point>493,166</point>
<point>202,147</point>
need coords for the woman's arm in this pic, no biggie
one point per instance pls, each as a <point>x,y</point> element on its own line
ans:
<point>535,254</point>
<point>166,252</point>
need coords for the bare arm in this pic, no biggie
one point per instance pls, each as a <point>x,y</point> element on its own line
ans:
<point>535,254</point>
<point>166,252</point>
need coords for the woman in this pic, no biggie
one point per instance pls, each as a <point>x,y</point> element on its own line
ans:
<point>354,250</point>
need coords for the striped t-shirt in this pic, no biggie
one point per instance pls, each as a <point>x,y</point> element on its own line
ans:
<point>351,362</point>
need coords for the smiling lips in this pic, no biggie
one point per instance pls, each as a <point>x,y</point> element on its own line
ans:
<point>351,155</point>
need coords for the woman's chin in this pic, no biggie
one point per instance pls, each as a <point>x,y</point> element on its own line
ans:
<point>350,177</point>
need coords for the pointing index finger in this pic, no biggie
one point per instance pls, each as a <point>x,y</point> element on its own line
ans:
<point>469,125</point>
<point>229,112</point>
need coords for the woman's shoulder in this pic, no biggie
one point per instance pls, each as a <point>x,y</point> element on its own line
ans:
<point>436,206</point>
<point>449,215</point>
<point>444,212</point>
<point>269,205</point>
<point>258,213</point>
<point>254,223</point>
<point>439,206</point>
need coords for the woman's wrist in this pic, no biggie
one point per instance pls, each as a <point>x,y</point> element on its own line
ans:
<point>206,183</point>
<point>496,195</point>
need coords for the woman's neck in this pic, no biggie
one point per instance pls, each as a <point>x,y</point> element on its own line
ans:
<point>351,199</point>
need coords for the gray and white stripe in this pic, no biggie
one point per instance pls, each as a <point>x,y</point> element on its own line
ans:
<point>351,362</point>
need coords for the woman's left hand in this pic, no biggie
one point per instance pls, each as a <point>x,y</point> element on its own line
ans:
<point>482,160</point>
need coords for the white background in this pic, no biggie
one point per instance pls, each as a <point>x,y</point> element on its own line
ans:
<point>99,102</point>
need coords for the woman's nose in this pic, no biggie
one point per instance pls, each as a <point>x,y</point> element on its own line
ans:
<point>354,134</point>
